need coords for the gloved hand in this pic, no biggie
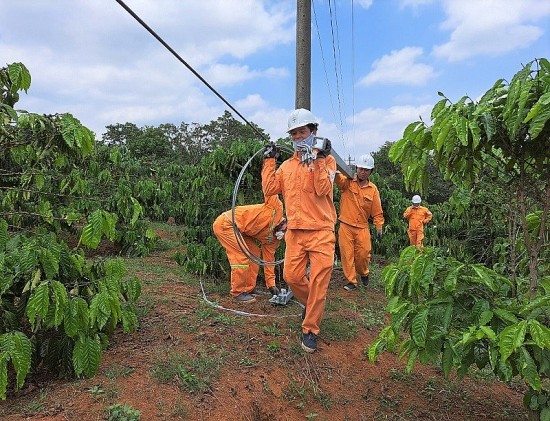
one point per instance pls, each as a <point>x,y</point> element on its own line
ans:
<point>280,229</point>
<point>322,153</point>
<point>274,290</point>
<point>271,150</point>
<point>378,234</point>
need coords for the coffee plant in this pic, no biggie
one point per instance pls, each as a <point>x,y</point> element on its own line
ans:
<point>57,308</point>
<point>492,311</point>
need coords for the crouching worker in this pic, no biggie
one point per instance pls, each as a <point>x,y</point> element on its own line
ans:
<point>262,223</point>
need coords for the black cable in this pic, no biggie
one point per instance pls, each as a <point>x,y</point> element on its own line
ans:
<point>136,17</point>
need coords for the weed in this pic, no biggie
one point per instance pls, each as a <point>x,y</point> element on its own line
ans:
<point>274,329</point>
<point>188,324</point>
<point>274,347</point>
<point>227,320</point>
<point>193,373</point>
<point>312,416</point>
<point>294,393</point>
<point>339,328</point>
<point>205,312</point>
<point>400,375</point>
<point>36,405</point>
<point>96,390</point>
<point>144,305</point>
<point>118,371</point>
<point>119,412</point>
<point>372,317</point>
<point>179,411</point>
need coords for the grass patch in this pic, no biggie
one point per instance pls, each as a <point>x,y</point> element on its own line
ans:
<point>193,373</point>
<point>339,328</point>
<point>113,373</point>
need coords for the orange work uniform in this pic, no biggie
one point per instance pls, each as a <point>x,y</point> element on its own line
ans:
<point>417,217</point>
<point>357,204</point>
<point>308,195</point>
<point>256,223</point>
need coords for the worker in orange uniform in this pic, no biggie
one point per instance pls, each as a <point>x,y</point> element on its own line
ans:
<point>360,200</point>
<point>306,183</point>
<point>261,223</point>
<point>418,216</point>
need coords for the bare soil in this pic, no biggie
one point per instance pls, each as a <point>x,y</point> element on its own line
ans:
<point>261,372</point>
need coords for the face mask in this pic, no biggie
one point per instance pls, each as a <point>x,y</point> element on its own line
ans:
<point>306,144</point>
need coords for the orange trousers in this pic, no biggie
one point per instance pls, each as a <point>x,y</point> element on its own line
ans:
<point>416,237</point>
<point>317,249</point>
<point>355,251</point>
<point>243,271</point>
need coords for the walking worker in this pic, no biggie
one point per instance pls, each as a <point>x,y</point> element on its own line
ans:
<point>360,200</point>
<point>261,223</point>
<point>418,216</point>
<point>306,183</point>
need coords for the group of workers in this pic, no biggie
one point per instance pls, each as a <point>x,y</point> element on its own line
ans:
<point>305,182</point>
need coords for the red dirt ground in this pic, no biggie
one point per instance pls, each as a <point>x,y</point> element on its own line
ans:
<point>277,382</point>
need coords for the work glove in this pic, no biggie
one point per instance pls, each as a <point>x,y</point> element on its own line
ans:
<point>378,234</point>
<point>280,229</point>
<point>271,150</point>
<point>322,153</point>
<point>274,290</point>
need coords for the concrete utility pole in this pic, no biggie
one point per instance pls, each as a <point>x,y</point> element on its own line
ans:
<point>303,54</point>
<point>303,69</point>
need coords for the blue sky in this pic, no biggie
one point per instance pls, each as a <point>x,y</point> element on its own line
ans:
<point>377,65</point>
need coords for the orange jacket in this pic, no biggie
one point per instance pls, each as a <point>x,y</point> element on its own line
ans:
<point>358,204</point>
<point>417,217</point>
<point>258,221</point>
<point>307,191</point>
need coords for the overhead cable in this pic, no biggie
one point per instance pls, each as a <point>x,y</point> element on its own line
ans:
<point>165,44</point>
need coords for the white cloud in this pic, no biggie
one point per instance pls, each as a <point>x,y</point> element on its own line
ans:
<point>232,74</point>
<point>490,27</point>
<point>373,127</point>
<point>399,67</point>
<point>415,4</point>
<point>364,3</point>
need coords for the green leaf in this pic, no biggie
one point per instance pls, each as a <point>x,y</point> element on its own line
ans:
<point>539,333</point>
<point>3,374</point>
<point>137,210</point>
<point>38,303</point>
<point>20,356</point>
<point>86,355</point>
<point>528,369</point>
<point>93,230</point>
<point>76,318</point>
<point>19,77</point>
<point>450,280</point>
<point>100,309</point>
<point>3,234</point>
<point>505,315</point>
<point>511,338</point>
<point>419,327</point>
<point>60,301</point>
<point>447,359</point>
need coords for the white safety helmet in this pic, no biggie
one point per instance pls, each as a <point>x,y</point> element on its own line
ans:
<point>416,199</point>
<point>300,117</point>
<point>365,161</point>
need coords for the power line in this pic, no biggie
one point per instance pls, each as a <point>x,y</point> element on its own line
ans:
<point>165,44</point>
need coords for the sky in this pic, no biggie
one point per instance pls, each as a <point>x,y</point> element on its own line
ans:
<point>377,65</point>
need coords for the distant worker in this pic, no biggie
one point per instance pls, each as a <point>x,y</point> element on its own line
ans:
<point>360,201</point>
<point>306,183</point>
<point>261,223</point>
<point>418,216</point>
